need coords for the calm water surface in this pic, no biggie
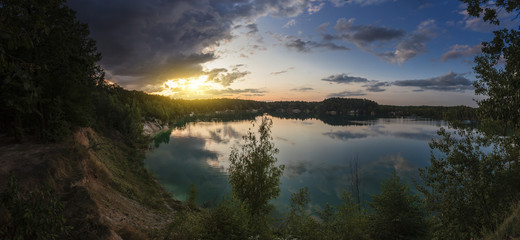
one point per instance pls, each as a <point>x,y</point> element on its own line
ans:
<point>316,155</point>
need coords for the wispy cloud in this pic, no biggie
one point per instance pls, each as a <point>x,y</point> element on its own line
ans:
<point>306,46</point>
<point>344,78</point>
<point>282,71</point>
<point>375,86</point>
<point>322,27</point>
<point>460,51</point>
<point>359,2</point>
<point>302,89</point>
<point>289,24</point>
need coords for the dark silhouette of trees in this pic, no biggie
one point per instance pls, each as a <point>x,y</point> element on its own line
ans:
<point>397,213</point>
<point>48,69</point>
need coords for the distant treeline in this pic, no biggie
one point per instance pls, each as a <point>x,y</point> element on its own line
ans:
<point>108,107</point>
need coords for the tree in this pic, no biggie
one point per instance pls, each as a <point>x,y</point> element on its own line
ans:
<point>48,69</point>
<point>253,175</point>
<point>397,213</point>
<point>469,187</point>
<point>299,224</point>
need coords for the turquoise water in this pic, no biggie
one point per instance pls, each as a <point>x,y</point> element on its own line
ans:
<point>316,155</point>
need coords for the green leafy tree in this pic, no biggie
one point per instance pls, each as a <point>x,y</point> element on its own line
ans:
<point>253,173</point>
<point>350,220</point>
<point>397,213</point>
<point>474,177</point>
<point>298,223</point>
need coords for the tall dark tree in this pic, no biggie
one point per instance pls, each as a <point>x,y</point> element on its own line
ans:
<point>48,68</point>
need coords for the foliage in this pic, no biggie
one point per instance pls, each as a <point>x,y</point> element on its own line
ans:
<point>48,69</point>
<point>474,177</point>
<point>229,220</point>
<point>397,213</point>
<point>509,228</point>
<point>252,173</point>
<point>468,187</point>
<point>192,196</point>
<point>187,226</point>
<point>31,215</point>
<point>298,223</point>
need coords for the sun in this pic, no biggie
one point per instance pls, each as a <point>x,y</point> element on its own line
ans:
<point>197,83</point>
<point>187,87</point>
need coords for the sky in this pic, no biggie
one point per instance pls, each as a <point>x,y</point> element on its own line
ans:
<point>398,52</point>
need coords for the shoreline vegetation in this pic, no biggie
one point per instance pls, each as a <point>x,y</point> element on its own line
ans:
<point>72,150</point>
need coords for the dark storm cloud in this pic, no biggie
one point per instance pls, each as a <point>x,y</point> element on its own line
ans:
<point>344,78</point>
<point>449,82</point>
<point>147,42</point>
<point>346,94</point>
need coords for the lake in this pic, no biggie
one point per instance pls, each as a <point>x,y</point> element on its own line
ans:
<point>316,155</point>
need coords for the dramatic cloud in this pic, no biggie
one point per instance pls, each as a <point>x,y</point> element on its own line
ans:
<point>148,42</point>
<point>344,78</point>
<point>461,51</point>
<point>306,46</point>
<point>347,94</point>
<point>449,82</point>
<point>363,35</point>
<point>412,45</point>
<point>303,89</point>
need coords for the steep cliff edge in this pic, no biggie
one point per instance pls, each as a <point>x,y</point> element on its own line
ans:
<point>107,194</point>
